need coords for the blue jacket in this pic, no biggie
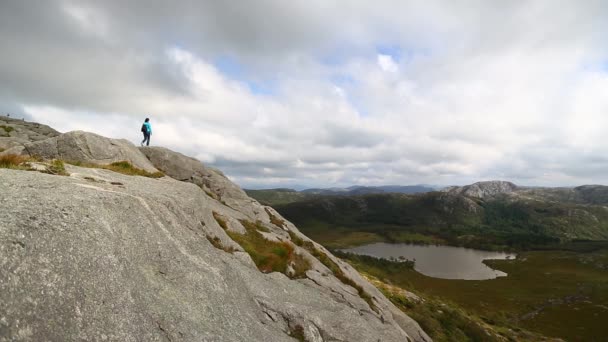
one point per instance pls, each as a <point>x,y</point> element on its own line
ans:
<point>148,127</point>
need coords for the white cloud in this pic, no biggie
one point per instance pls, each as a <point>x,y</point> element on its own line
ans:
<point>387,63</point>
<point>515,90</point>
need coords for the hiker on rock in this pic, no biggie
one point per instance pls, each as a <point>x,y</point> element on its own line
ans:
<point>146,129</point>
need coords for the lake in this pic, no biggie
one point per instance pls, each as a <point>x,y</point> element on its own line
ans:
<point>445,262</point>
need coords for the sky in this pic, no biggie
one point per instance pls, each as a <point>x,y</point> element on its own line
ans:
<point>325,93</point>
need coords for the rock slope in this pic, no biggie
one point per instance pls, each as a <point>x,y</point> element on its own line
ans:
<point>99,255</point>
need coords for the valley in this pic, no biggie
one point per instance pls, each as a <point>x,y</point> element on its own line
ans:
<point>557,287</point>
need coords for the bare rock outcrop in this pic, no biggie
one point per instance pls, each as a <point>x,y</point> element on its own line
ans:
<point>99,255</point>
<point>184,168</point>
<point>483,189</point>
<point>16,133</point>
<point>88,147</point>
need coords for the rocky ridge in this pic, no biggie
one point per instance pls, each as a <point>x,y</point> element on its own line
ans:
<point>99,255</point>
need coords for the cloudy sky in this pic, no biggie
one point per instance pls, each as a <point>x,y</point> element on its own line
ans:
<point>326,92</point>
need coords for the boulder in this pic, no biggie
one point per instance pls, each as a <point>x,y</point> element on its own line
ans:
<point>89,148</point>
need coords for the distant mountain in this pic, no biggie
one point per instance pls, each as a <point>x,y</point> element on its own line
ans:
<point>284,196</point>
<point>276,196</point>
<point>494,214</point>
<point>361,190</point>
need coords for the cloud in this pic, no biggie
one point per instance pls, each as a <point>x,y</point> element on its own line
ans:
<point>321,93</point>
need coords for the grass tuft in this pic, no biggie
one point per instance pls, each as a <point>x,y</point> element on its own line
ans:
<point>220,220</point>
<point>57,167</point>
<point>275,220</point>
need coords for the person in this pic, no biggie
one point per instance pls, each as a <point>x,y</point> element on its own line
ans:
<point>146,129</point>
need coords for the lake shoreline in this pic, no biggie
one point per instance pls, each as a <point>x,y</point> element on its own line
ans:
<point>443,262</point>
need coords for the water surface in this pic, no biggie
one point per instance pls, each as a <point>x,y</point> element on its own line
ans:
<point>445,262</point>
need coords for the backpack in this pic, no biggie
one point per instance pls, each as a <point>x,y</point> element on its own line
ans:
<point>144,129</point>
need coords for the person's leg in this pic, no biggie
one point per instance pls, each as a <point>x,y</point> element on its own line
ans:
<point>148,138</point>
<point>143,141</point>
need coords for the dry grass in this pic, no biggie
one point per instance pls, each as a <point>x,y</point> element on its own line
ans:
<point>124,167</point>
<point>18,162</point>
<point>14,161</point>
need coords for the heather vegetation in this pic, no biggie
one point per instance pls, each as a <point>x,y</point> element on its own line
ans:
<point>269,256</point>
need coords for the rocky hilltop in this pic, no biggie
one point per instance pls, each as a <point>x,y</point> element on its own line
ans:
<point>18,132</point>
<point>483,189</point>
<point>98,255</point>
